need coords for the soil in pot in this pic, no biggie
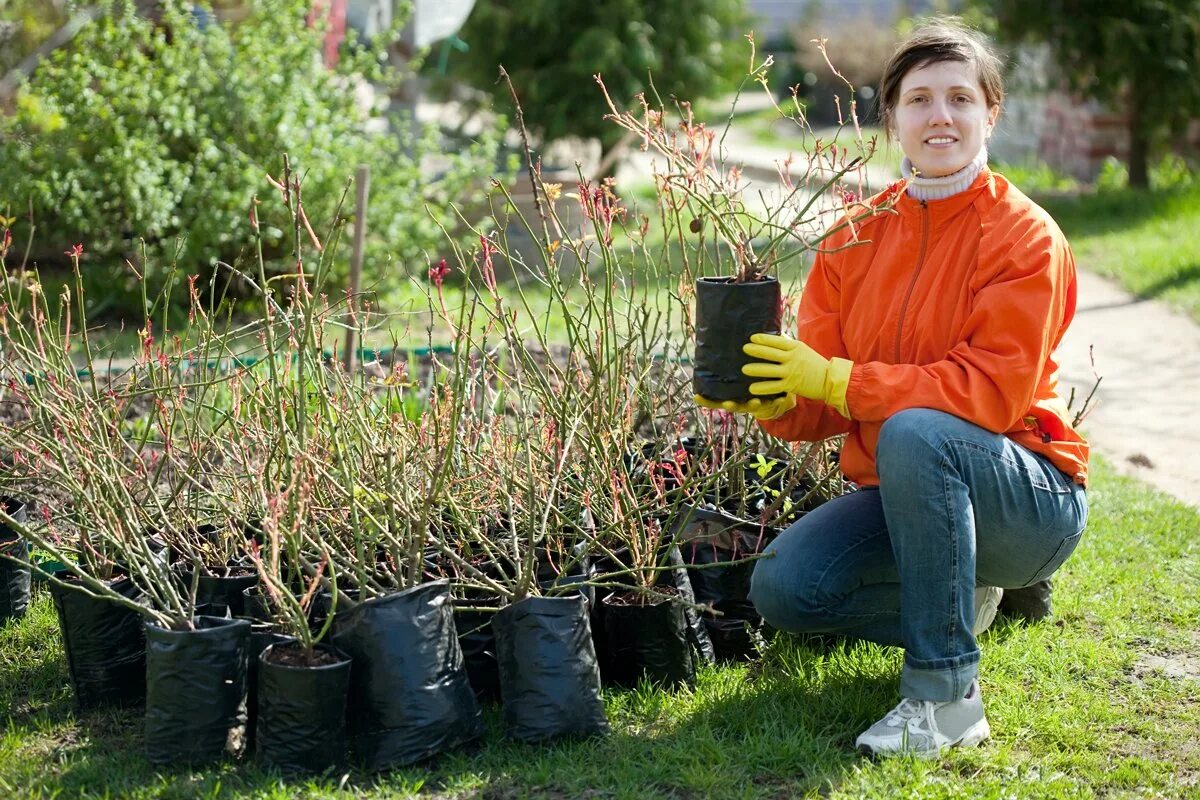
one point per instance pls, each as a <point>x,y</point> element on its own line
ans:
<point>105,644</point>
<point>648,640</point>
<point>410,697</point>
<point>196,691</point>
<point>728,313</point>
<point>15,580</point>
<point>549,679</point>
<point>302,707</point>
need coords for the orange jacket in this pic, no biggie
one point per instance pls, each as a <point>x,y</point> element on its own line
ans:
<point>955,305</point>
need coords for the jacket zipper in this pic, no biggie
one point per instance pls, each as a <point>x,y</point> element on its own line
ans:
<point>912,284</point>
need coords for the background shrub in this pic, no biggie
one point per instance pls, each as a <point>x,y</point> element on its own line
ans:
<point>163,130</point>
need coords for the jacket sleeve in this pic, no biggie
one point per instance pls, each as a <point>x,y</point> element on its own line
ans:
<point>1023,299</point>
<point>820,328</point>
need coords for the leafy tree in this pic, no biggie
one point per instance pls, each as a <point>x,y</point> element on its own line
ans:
<point>165,129</point>
<point>1139,55</point>
<point>552,48</point>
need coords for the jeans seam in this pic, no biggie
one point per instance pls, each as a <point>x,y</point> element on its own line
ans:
<point>1036,481</point>
<point>950,524</point>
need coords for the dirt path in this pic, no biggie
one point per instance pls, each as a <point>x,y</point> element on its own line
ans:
<point>1147,415</point>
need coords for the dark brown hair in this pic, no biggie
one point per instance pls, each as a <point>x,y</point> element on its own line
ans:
<point>941,39</point>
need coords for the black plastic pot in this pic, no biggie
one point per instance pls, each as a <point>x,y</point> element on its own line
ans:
<point>410,698</point>
<point>728,313</point>
<point>612,671</point>
<point>558,576</point>
<point>225,591</point>
<point>15,581</point>
<point>105,645</point>
<point>256,605</point>
<point>713,538</point>
<point>478,645</point>
<point>647,641</point>
<point>697,631</point>
<point>549,679</point>
<point>196,691</point>
<point>262,636</point>
<point>302,711</point>
<point>323,605</point>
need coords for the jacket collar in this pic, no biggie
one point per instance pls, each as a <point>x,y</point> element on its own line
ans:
<point>941,211</point>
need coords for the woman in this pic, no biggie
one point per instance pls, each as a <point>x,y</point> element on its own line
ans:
<point>930,345</point>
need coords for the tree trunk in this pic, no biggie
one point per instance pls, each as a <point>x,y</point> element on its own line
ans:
<point>1139,143</point>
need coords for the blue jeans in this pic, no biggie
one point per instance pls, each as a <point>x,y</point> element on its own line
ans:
<point>898,564</point>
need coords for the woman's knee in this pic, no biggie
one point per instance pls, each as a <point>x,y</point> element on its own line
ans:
<point>781,594</point>
<point>908,436</point>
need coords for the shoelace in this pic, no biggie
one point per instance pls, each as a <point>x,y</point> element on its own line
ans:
<point>910,711</point>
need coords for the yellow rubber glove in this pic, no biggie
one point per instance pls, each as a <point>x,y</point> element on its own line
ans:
<point>796,368</point>
<point>757,407</point>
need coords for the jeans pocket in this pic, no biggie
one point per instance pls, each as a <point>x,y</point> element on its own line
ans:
<point>1065,548</point>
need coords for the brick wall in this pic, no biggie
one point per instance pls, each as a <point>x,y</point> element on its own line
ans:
<point>1045,123</point>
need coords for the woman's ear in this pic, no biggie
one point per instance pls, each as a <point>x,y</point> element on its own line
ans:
<point>993,117</point>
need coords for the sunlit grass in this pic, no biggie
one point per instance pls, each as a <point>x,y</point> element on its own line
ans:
<point>1078,704</point>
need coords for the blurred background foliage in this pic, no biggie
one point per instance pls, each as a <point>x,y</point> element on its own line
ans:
<point>689,49</point>
<point>160,129</point>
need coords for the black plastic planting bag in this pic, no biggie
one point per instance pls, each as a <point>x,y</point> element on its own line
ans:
<point>711,538</point>
<point>678,579</point>
<point>697,630</point>
<point>478,645</point>
<point>549,679</point>
<point>648,641</point>
<point>256,605</point>
<point>105,645</point>
<point>196,691</point>
<point>14,574</point>
<point>410,698</point>
<point>262,636</point>
<point>302,712</point>
<point>223,592</point>
<point>727,315</point>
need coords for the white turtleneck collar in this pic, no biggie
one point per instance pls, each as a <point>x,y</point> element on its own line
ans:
<point>921,188</point>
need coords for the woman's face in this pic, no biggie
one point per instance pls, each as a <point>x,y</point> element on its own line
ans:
<point>942,117</point>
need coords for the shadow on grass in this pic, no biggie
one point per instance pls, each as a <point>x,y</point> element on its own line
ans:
<point>1184,277</point>
<point>782,728</point>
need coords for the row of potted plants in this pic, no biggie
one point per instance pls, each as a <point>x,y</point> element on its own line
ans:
<point>328,549</point>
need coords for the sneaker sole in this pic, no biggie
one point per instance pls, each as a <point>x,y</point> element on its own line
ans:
<point>974,736</point>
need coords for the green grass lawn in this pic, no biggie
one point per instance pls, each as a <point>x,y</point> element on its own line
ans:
<point>1146,240</point>
<point>1101,700</point>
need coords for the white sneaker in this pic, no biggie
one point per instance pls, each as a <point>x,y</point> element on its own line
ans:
<point>987,601</point>
<point>925,728</point>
